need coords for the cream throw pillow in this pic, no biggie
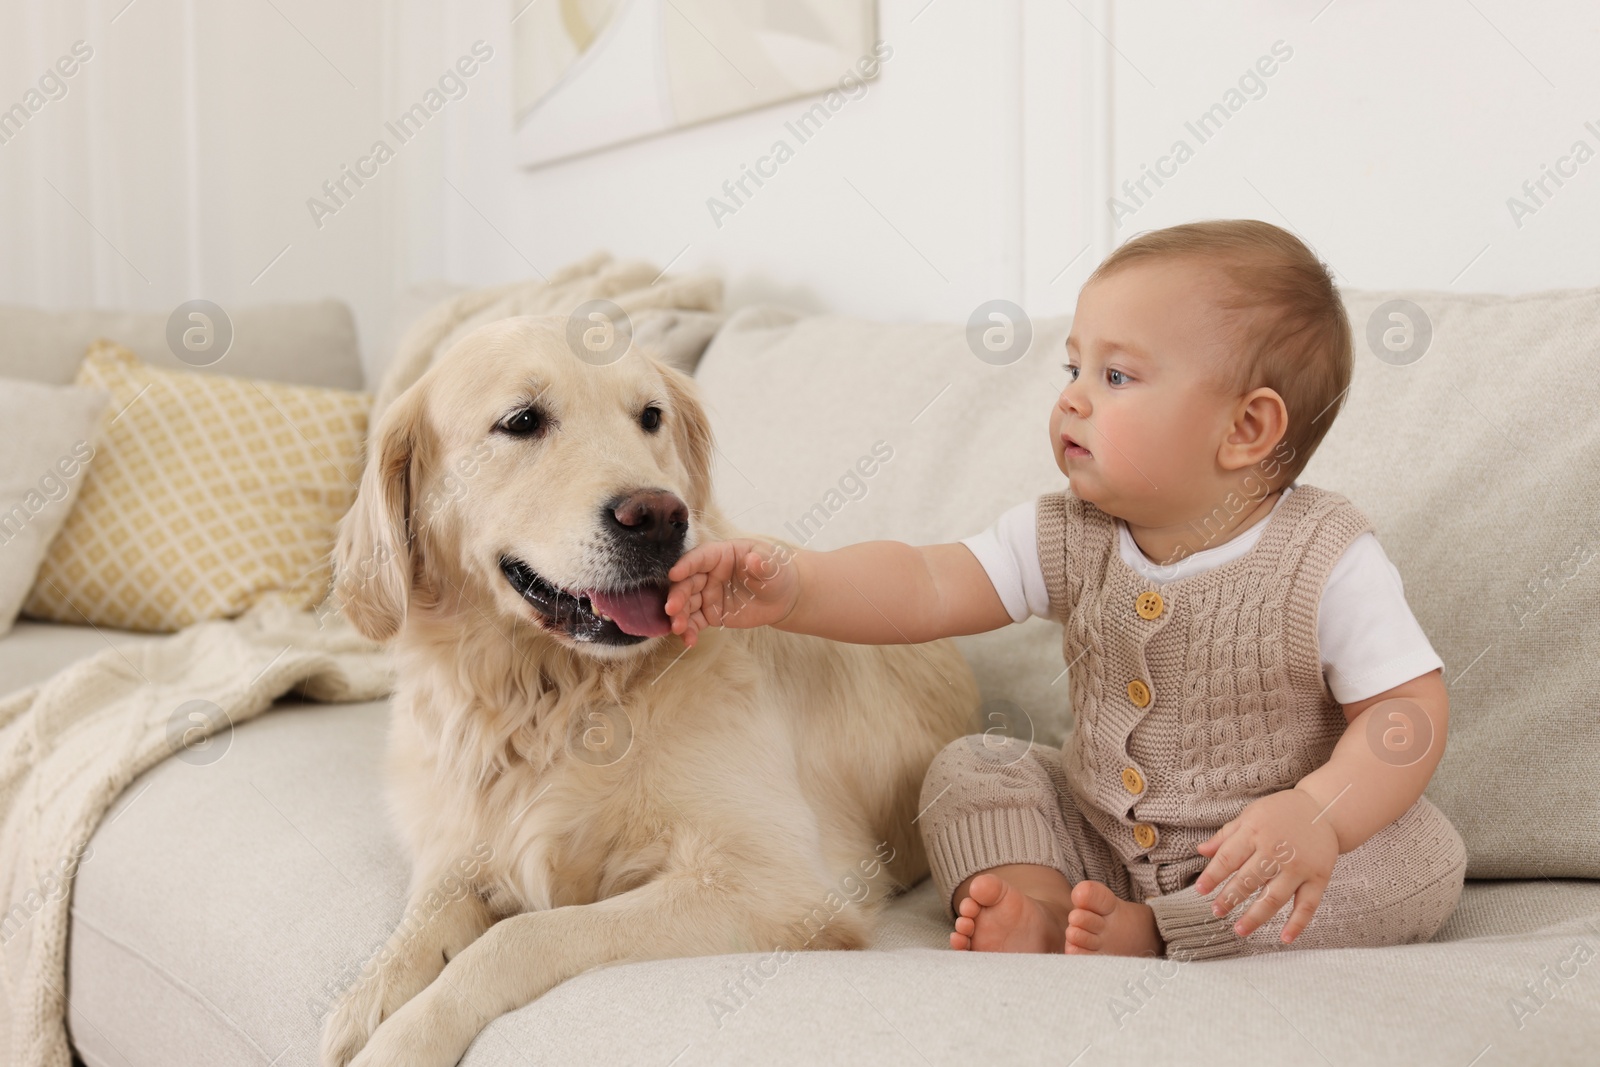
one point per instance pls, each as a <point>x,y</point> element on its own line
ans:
<point>1476,460</point>
<point>207,493</point>
<point>49,440</point>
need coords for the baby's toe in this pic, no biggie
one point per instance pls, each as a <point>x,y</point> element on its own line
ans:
<point>1094,896</point>
<point>966,926</point>
<point>960,941</point>
<point>1081,940</point>
<point>986,889</point>
<point>1090,922</point>
<point>968,907</point>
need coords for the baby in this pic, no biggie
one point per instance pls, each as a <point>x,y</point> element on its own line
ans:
<point>1255,706</point>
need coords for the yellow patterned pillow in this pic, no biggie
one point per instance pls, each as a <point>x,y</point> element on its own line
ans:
<point>207,494</point>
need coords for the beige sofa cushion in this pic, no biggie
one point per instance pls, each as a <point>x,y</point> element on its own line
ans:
<point>1477,463</point>
<point>796,403</point>
<point>310,344</point>
<point>33,651</point>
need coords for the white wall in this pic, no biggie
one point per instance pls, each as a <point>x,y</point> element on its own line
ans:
<point>908,204</point>
<point>978,165</point>
<point>1390,139</point>
<point>179,161</point>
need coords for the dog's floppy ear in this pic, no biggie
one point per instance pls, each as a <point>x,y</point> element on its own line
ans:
<point>692,433</point>
<point>372,560</point>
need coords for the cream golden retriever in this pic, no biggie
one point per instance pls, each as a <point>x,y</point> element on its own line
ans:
<point>576,787</point>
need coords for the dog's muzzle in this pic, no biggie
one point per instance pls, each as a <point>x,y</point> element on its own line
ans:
<point>646,530</point>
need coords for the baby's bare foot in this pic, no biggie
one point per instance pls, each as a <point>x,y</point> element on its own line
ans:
<point>996,916</point>
<point>1101,923</point>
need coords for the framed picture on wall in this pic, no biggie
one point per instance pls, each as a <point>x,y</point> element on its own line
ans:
<point>594,73</point>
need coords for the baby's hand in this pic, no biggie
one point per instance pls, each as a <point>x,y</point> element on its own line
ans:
<point>740,583</point>
<point>1278,841</point>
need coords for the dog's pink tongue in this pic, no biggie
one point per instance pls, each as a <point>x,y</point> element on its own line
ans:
<point>641,612</point>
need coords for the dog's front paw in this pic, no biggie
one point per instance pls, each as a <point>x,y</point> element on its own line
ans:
<point>352,1022</point>
<point>425,1032</point>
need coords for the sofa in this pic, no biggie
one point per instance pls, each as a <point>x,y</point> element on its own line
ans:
<point>227,902</point>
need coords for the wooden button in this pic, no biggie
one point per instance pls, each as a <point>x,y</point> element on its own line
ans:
<point>1148,605</point>
<point>1132,780</point>
<point>1144,834</point>
<point>1139,693</point>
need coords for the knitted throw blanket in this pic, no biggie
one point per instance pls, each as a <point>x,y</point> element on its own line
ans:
<point>70,745</point>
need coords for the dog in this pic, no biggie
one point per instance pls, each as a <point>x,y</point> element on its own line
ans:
<point>576,786</point>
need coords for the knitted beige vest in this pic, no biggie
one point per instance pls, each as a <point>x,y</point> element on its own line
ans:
<point>1229,702</point>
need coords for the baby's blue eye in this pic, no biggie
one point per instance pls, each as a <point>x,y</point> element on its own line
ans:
<point>1072,371</point>
<point>1114,375</point>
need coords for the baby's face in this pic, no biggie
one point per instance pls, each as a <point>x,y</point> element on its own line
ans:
<point>1138,426</point>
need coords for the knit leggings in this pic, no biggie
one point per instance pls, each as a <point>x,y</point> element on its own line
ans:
<point>989,801</point>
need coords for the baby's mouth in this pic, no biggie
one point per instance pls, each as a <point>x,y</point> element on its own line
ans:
<point>1073,448</point>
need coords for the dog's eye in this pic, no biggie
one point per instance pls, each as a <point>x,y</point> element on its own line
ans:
<point>525,423</point>
<point>650,418</point>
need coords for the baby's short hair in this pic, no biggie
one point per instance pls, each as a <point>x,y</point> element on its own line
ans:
<point>1294,336</point>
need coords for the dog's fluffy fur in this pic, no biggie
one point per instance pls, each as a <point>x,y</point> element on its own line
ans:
<point>569,803</point>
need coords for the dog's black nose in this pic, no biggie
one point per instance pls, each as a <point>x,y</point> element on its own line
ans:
<point>648,515</point>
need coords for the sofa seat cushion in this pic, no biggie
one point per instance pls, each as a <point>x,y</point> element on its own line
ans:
<point>34,650</point>
<point>223,904</point>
